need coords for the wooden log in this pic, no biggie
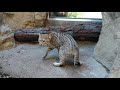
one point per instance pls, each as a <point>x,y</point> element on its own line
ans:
<point>78,33</point>
<point>29,35</point>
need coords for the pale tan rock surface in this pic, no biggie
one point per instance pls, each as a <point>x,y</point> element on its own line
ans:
<point>18,20</point>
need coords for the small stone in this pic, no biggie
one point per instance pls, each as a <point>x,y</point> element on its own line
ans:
<point>18,52</point>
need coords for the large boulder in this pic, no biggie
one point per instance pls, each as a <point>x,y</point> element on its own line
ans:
<point>11,21</point>
<point>18,20</point>
<point>6,37</point>
<point>107,49</point>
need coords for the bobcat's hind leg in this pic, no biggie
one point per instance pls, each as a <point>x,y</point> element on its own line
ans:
<point>61,57</point>
<point>76,59</point>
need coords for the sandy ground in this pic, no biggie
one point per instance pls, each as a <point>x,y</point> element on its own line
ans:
<point>25,61</point>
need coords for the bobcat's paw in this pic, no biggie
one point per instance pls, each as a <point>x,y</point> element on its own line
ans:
<point>57,64</point>
<point>77,64</point>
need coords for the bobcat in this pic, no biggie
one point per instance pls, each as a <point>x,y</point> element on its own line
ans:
<point>65,44</point>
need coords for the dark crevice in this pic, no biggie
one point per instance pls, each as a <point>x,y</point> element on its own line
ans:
<point>108,71</point>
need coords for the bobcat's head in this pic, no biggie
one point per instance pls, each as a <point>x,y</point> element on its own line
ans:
<point>44,39</point>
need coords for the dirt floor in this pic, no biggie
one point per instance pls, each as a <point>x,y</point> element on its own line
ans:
<point>25,61</point>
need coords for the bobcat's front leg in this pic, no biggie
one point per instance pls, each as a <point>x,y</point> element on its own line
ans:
<point>49,49</point>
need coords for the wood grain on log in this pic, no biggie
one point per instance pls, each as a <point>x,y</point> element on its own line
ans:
<point>77,32</point>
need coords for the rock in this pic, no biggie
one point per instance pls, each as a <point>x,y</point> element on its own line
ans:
<point>106,50</point>
<point>11,21</point>
<point>6,37</point>
<point>115,73</point>
<point>4,75</point>
<point>17,20</point>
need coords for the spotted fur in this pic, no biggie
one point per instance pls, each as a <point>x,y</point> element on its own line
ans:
<point>65,44</point>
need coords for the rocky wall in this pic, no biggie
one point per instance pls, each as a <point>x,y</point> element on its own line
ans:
<point>18,20</point>
<point>11,21</point>
<point>107,49</point>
